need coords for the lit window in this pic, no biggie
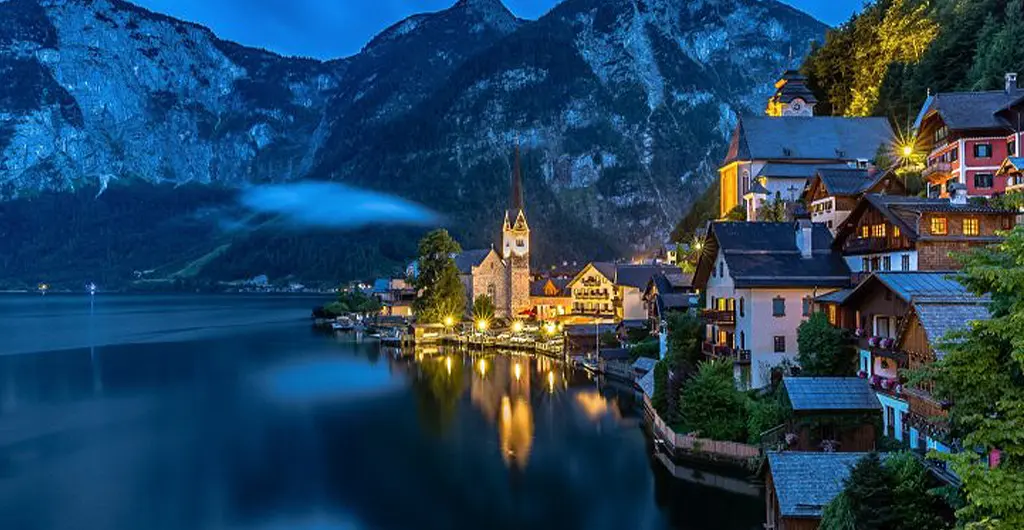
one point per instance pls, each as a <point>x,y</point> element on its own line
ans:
<point>864,231</point>
<point>971,227</point>
<point>896,232</point>
<point>832,314</point>
<point>878,230</point>
<point>939,226</point>
<point>780,344</point>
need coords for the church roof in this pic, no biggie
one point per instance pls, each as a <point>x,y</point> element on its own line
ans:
<point>807,138</point>
<point>467,259</point>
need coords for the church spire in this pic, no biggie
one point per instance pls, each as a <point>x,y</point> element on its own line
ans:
<point>516,195</point>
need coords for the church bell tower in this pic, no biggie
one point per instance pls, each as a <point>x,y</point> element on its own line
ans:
<point>515,245</point>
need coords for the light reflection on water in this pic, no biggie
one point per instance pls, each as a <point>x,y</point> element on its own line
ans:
<point>189,432</point>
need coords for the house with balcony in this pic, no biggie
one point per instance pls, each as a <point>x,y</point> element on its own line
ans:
<point>898,318</point>
<point>831,414</point>
<point>898,233</point>
<point>968,135</point>
<point>550,299</point>
<point>781,150</point>
<point>833,193</point>
<point>759,281</point>
<point>613,291</point>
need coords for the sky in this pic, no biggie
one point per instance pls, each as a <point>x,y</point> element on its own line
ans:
<point>329,29</point>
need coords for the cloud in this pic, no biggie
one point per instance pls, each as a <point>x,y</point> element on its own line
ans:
<point>330,205</point>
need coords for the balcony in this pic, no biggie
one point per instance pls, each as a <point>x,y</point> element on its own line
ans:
<point>868,245</point>
<point>938,171</point>
<point>889,386</point>
<point>721,317</point>
<point>722,351</point>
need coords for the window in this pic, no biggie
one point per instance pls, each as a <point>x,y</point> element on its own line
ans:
<point>878,230</point>
<point>865,265</point>
<point>882,326</point>
<point>807,306</point>
<point>886,263</point>
<point>743,340</point>
<point>1007,223</point>
<point>983,150</point>
<point>876,264</point>
<point>1011,146</point>
<point>721,269</point>
<point>742,310</point>
<point>833,314</point>
<point>896,232</point>
<point>779,307</point>
<point>941,133</point>
<point>954,155</point>
<point>971,227</point>
<point>982,180</point>
<point>864,231</point>
<point>905,262</point>
<point>780,344</point>
<point>939,226</point>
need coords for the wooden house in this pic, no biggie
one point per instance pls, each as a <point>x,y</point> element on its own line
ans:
<point>833,193</point>
<point>831,414</point>
<point>798,486</point>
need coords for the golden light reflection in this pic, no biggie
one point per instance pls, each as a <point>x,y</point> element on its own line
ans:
<point>515,431</point>
<point>482,367</point>
<point>448,364</point>
<point>517,326</point>
<point>551,382</point>
<point>518,371</point>
<point>594,405</point>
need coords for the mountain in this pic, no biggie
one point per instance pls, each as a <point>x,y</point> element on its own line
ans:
<point>622,108</point>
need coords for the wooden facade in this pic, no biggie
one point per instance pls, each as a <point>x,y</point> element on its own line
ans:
<point>775,519</point>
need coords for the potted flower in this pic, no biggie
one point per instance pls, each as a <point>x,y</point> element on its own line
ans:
<point>888,383</point>
<point>876,380</point>
<point>886,343</point>
<point>862,374</point>
<point>873,342</point>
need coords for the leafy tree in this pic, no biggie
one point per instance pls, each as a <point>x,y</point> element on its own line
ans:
<point>982,375</point>
<point>354,301</point>
<point>999,46</point>
<point>765,413</point>
<point>650,349</point>
<point>838,515</point>
<point>483,308</point>
<point>738,213</point>
<point>773,211</point>
<point>660,398</point>
<point>440,290</point>
<point>869,491</point>
<point>710,404</point>
<point>685,334</point>
<point>914,505</point>
<point>822,348</point>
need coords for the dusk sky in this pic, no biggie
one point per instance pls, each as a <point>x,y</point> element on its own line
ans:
<point>337,28</point>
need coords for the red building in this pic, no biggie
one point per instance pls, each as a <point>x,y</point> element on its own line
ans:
<point>968,135</point>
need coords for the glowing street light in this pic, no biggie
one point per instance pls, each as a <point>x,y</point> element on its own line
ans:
<point>907,150</point>
<point>481,325</point>
<point>550,328</point>
<point>517,326</point>
<point>449,322</point>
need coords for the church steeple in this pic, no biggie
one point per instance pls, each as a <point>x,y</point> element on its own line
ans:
<point>515,230</point>
<point>515,204</point>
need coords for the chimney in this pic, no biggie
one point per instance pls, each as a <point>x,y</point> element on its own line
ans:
<point>804,232</point>
<point>1011,82</point>
<point>958,194</point>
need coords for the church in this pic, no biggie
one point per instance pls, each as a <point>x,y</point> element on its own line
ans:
<point>504,276</point>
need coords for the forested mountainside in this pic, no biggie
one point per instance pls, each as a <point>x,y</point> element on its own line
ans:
<point>622,107</point>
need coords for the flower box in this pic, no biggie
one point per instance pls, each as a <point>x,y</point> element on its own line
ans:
<point>873,342</point>
<point>886,343</point>
<point>859,332</point>
<point>876,380</point>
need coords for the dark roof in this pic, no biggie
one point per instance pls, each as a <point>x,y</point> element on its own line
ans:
<point>809,138</point>
<point>836,297</point>
<point>766,255</point>
<point>918,284</point>
<point>846,181</point>
<point>588,330</point>
<point>672,302</point>
<point>645,364</point>
<point>606,268</point>
<point>614,353</point>
<point>757,188</point>
<point>938,319</point>
<point>634,323</point>
<point>467,259</point>
<point>646,383</point>
<point>793,85</point>
<point>791,170</point>
<point>679,280</point>
<point>830,393</point>
<point>638,275</point>
<point>970,110</point>
<point>805,482</point>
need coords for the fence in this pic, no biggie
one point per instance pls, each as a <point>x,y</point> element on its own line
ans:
<point>701,447</point>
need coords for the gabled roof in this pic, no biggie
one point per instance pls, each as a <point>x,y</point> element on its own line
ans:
<point>903,211</point>
<point>645,364</point>
<point>467,259</point>
<point>808,138</point>
<point>830,393</point>
<point>1011,166</point>
<point>835,297</point>
<point>791,170</point>
<point>938,317</point>
<point>672,302</point>
<point>845,181</point>
<point>605,269</point>
<point>969,110</point>
<point>647,383</point>
<point>639,275</point>
<point>911,286</point>
<point>805,482</point>
<point>538,287</point>
<point>616,354</point>
<point>766,255</point>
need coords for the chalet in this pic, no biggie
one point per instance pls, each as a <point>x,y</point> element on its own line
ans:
<point>833,193</point>
<point>896,316</point>
<point>895,233</point>
<point>759,280</point>
<point>798,486</point>
<point>782,150</point>
<point>396,296</point>
<point>968,135</point>
<point>666,292</point>
<point>831,414</point>
<point>613,291</point>
<point>550,298</point>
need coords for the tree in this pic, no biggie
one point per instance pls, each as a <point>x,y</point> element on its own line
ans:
<point>765,413</point>
<point>837,514</point>
<point>982,375</point>
<point>822,349</point>
<point>483,308</point>
<point>773,211</point>
<point>738,213</point>
<point>869,491</point>
<point>440,291</point>
<point>660,398</point>
<point>710,404</point>
<point>685,334</point>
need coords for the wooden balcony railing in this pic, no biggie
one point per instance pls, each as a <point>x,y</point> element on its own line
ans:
<point>937,170</point>
<point>722,317</point>
<point>722,351</point>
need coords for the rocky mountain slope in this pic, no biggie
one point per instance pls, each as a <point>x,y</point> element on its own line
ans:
<point>622,108</point>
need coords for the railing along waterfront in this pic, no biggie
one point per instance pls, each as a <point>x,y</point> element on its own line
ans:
<point>696,446</point>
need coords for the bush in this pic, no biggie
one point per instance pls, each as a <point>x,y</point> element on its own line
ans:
<point>710,404</point>
<point>649,348</point>
<point>765,413</point>
<point>823,349</point>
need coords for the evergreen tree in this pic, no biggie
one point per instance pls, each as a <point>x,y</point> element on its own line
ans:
<point>710,404</point>
<point>440,290</point>
<point>660,398</point>
<point>869,492</point>
<point>483,308</point>
<point>822,349</point>
<point>685,334</point>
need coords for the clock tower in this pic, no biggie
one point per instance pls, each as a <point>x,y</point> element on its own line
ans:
<point>515,245</point>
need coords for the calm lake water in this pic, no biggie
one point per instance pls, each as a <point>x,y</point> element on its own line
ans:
<point>230,412</point>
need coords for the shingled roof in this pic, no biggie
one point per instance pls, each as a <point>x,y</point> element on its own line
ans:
<point>639,275</point>
<point>766,255</point>
<point>940,317</point>
<point>830,393</point>
<point>809,138</point>
<point>467,259</point>
<point>904,212</point>
<point>805,482</point>
<point>970,110</point>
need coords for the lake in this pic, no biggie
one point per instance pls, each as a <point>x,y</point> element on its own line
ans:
<point>231,412</point>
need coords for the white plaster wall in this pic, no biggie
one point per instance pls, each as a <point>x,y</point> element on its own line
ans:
<point>856,263</point>
<point>764,327</point>
<point>633,304</point>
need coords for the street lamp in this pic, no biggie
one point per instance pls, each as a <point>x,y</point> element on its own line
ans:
<point>481,325</point>
<point>517,326</point>
<point>550,328</point>
<point>908,150</point>
<point>449,322</point>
